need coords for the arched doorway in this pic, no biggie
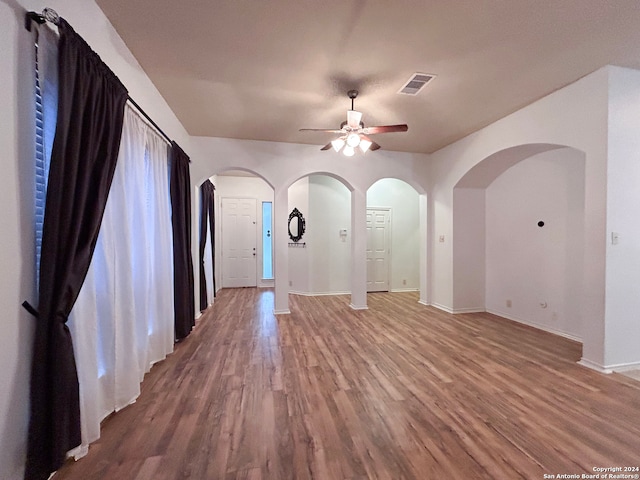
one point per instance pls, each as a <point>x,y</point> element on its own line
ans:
<point>393,236</point>
<point>319,261</point>
<point>250,193</point>
<point>518,237</point>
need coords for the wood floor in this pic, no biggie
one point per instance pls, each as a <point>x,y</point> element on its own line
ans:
<point>399,391</point>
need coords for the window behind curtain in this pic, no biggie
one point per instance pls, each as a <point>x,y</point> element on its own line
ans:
<point>149,332</point>
<point>46,107</point>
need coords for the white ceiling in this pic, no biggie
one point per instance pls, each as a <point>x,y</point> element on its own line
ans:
<point>262,69</point>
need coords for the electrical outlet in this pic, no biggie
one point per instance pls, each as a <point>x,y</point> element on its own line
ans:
<point>291,283</point>
<point>508,303</point>
<point>404,281</point>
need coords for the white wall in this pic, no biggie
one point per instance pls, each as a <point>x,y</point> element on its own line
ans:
<point>403,200</point>
<point>16,192</point>
<point>469,247</point>
<point>16,241</point>
<point>531,265</point>
<point>241,187</point>
<point>299,271</point>
<point>575,116</point>
<point>622,325</point>
<point>329,255</point>
<point>323,266</point>
<point>596,116</point>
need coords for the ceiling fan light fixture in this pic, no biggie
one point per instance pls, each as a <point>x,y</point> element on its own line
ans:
<point>353,140</point>
<point>348,151</point>
<point>364,145</point>
<point>337,144</point>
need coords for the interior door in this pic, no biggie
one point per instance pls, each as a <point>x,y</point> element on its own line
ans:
<point>378,249</point>
<point>239,242</point>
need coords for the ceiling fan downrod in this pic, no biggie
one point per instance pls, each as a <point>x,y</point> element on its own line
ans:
<point>352,94</point>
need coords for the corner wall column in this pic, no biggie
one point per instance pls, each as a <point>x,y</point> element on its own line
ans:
<point>424,253</point>
<point>281,251</point>
<point>358,250</point>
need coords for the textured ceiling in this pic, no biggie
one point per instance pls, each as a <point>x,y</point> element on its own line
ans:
<point>262,69</point>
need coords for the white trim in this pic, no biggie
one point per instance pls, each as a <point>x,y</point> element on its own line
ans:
<point>441,307</point>
<point>625,367</point>
<point>317,294</point>
<point>358,307</point>
<point>198,315</point>
<point>286,311</point>
<point>424,302</point>
<point>594,366</point>
<point>399,290</point>
<point>560,333</point>
<point>77,453</point>
<point>469,310</point>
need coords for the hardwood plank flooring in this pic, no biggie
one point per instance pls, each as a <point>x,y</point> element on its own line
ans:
<point>398,391</point>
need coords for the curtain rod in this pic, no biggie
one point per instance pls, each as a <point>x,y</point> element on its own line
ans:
<point>51,16</point>
<point>144,114</point>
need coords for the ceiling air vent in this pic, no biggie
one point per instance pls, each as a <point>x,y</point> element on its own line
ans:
<point>416,83</point>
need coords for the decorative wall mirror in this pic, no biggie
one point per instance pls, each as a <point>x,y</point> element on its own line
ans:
<point>296,225</point>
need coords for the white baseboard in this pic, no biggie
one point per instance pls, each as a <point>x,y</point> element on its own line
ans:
<point>545,328</point>
<point>399,290</point>
<point>594,366</point>
<point>441,307</point>
<point>618,368</point>
<point>469,310</point>
<point>424,302</point>
<point>285,311</point>
<point>317,294</point>
<point>625,367</point>
<point>358,307</point>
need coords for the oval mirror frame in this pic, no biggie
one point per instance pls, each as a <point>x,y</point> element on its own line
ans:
<point>296,225</point>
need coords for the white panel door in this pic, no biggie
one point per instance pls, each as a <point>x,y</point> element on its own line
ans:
<point>378,249</point>
<point>239,242</point>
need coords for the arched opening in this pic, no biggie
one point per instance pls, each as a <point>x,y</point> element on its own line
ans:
<point>319,260</point>
<point>518,237</point>
<point>243,227</point>
<point>393,236</point>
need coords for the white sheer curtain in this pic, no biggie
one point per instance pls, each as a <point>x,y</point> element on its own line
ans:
<point>123,320</point>
<point>208,266</point>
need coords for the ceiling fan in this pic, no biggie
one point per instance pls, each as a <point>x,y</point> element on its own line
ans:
<point>353,133</point>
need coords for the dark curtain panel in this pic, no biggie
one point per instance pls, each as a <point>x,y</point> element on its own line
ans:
<point>207,191</point>
<point>85,149</point>
<point>184,296</point>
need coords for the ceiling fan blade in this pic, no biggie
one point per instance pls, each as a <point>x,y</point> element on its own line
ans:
<point>353,118</point>
<point>385,129</point>
<point>326,147</point>
<point>320,130</point>
<point>374,146</point>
